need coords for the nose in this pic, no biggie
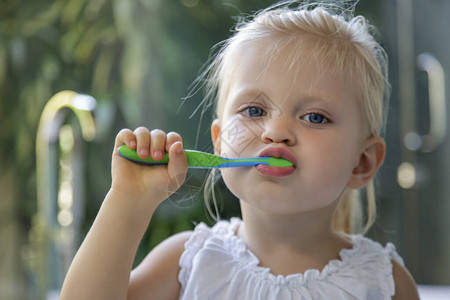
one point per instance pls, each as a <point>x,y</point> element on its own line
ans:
<point>279,130</point>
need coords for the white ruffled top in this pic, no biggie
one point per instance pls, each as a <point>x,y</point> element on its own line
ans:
<point>216,264</point>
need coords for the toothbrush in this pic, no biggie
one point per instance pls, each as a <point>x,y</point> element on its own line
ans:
<point>203,160</point>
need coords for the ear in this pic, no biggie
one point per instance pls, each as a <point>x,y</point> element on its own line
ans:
<point>369,162</point>
<point>215,133</point>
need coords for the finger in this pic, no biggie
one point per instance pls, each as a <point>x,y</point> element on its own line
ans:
<point>125,136</point>
<point>172,137</point>
<point>143,141</point>
<point>157,147</point>
<point>177,167</point>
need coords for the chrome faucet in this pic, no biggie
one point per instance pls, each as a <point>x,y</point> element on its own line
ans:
<point>55,231</point>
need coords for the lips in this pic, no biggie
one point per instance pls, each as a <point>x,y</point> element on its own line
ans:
<point>277,171</point>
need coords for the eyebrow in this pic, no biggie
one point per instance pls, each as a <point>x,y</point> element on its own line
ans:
<point>262,96</point>
<point>304,99</point>
<point>251,93</point>
<point>314,98</point>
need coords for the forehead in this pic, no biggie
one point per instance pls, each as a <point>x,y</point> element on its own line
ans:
<point>292,68</point>
<point>293,61</point>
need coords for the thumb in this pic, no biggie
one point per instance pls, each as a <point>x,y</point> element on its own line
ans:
<point>177,167</point>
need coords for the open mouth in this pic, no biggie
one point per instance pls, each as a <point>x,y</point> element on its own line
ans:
<point>279,152</point>
<point>277,171</point>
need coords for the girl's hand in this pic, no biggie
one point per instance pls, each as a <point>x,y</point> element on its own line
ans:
<point>146,183</point>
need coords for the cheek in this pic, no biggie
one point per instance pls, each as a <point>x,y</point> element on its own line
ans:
<point>233,178</point>
<point>331,160</point>
<point>235,137</point>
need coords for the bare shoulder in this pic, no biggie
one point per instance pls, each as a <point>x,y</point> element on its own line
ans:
<point>157,275</point>
<point>405,287</point>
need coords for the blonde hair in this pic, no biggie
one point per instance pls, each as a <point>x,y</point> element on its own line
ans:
<point>338,39</point>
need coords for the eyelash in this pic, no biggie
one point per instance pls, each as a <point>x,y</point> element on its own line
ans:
<point>246,109</point>
<point>325,120</point>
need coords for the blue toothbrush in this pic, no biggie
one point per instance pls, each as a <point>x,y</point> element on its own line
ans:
<point>203,160</point>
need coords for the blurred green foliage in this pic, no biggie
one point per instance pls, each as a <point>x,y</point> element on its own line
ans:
<point>136,57</point>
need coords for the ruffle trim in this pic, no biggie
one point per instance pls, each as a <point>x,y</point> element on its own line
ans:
<point>367,263</point>
<point>192,247</point>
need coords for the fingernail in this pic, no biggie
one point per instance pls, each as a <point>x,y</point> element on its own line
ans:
<point>158,154</point>
<point>179,151</point>
<point>132,144</point>
<point>143,152</point>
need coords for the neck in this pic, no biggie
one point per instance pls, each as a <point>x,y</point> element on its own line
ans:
<point>278,240</point>
<point>290,230</point>
<point>289,244</point>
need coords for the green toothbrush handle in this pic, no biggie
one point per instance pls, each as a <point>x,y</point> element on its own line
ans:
<point>194,158</point>
<point>132,155</point>
<point>198,159</point>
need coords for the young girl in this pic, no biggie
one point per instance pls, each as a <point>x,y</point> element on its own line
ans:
<point>304,84</point>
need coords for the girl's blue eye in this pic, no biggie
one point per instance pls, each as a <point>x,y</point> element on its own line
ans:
<point>315,118</point>
<point>254,111</point>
